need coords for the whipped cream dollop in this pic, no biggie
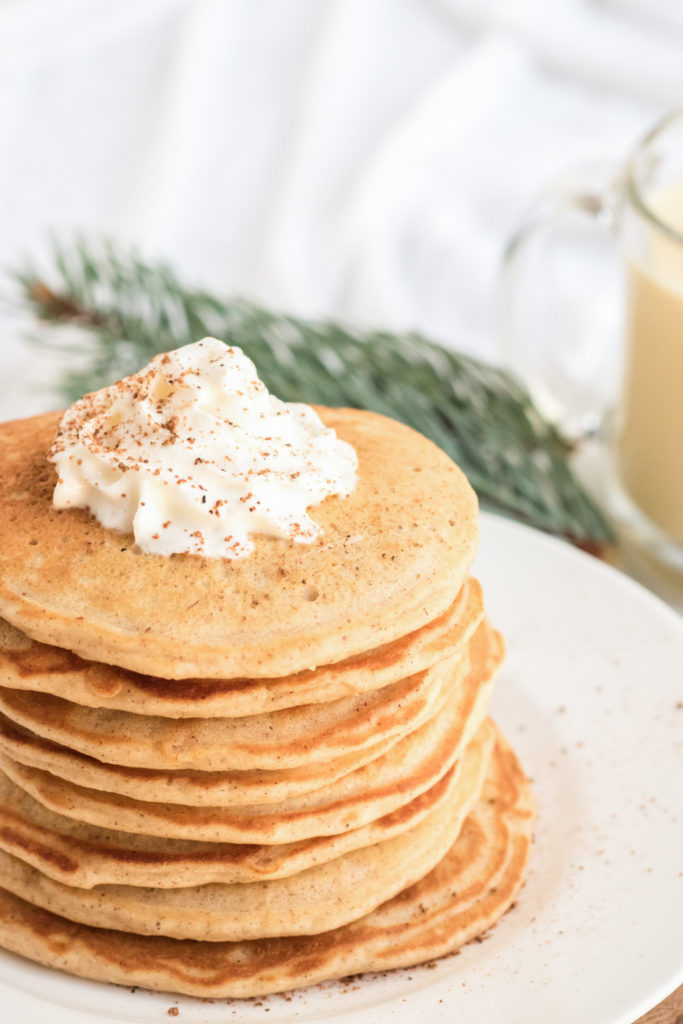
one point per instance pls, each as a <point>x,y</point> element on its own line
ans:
<point>193,454</point>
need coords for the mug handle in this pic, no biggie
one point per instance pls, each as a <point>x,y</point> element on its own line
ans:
<point>569,355</point>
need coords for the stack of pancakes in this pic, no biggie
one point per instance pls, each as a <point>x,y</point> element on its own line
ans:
<point>233,778</point>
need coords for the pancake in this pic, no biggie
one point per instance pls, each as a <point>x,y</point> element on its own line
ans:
<point>85,855</point>
<point>195,788</point>
<point>461,897</point>
<point>291,738</point>
<point>390,559</point>
<point>26,664</point>
<point>409,768</point>
<point>323,897</point>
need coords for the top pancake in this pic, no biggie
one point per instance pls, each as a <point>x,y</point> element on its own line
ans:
<point>391,558</point>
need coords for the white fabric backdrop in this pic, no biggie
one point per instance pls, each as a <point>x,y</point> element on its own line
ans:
<point>362,158</point>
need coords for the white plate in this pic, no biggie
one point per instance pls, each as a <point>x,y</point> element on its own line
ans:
<point>591,697</point>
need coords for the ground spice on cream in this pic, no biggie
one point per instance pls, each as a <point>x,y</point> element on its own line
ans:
<point>194,455</point>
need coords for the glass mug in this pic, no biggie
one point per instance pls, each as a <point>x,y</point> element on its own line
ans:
<point>642,206</point>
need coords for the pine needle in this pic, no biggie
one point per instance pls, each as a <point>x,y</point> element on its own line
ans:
<point>480,414</point>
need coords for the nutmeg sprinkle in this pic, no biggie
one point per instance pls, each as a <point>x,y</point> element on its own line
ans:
<point>194,443</point>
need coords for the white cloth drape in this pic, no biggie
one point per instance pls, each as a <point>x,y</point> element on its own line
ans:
<point>361,158</point>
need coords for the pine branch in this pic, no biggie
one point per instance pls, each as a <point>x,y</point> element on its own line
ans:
<point>479,414</point>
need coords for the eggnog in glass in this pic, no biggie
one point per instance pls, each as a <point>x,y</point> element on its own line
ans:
<point>642,204</point>
<point>649,442</point>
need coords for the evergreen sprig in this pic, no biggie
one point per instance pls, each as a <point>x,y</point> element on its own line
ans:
<point>480,414</point>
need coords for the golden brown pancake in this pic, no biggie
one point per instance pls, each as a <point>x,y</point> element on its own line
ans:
<point>408,769</point>
<point>391,558</point>
<point>85,855</point>
<point>195,788</point>
<point>461,897</point>
<point>26,664</point>
<point>323,897</point>
<point>291,738</point>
